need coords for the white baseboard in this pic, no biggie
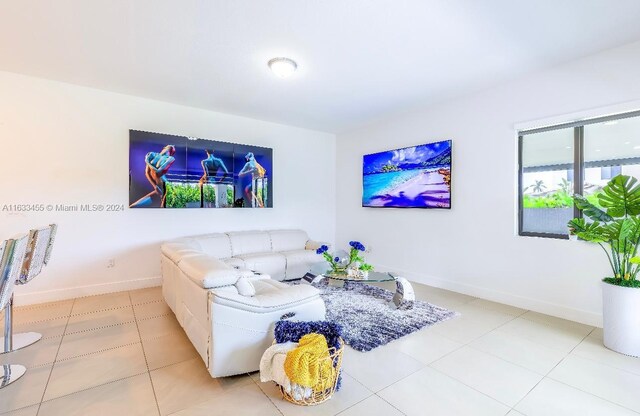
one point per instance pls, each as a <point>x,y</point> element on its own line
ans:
<point>31,298</point>
<point>536,305</point>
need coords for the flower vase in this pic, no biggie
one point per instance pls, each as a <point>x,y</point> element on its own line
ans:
<point>338,271</point>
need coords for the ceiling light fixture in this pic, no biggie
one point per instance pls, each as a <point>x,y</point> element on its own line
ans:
<point>283,67</point>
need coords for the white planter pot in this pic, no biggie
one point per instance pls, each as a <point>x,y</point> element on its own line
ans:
<point>621,318</point>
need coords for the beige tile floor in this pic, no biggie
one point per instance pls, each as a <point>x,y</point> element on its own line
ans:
<point>125,354</point>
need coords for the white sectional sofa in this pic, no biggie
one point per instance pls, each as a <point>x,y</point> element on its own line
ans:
<point>220,288</point>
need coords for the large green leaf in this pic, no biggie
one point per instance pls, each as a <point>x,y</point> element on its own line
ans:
<point>629,229</point>
<point>593,231</point>
<point>590,210</point>
<point>612,230</point>
<point>628,235</point>
<point>577,225</point>
<point>621,196</point>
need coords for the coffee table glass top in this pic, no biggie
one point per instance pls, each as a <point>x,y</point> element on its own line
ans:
<point>323,268</point>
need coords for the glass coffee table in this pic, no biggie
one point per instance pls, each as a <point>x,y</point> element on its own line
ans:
<point>404,291</point>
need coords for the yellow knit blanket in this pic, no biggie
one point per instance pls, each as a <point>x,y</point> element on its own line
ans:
<point>309,364</point>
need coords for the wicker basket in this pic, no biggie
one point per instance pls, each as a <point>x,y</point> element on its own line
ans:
<point>317,397</point>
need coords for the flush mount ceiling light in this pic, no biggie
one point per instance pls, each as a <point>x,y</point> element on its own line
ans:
<point>282,67</point>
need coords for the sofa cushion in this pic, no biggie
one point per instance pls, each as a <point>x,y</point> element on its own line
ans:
<point>299,262</point>
<point>216,245</point>
<point>209,272</point>
<point>249,242</point>
<point>273,264</point>
<point>286,240</point>
<point>270,295</point>
<point>236,262</point>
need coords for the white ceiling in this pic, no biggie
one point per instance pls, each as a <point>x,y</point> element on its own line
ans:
<point>358,59</point>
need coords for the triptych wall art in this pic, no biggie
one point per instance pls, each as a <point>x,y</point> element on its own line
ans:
<point>167,171</point>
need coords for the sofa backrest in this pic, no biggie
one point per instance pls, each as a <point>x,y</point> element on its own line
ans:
<point>249,242</point>
<point>222,246</point>
<point>288,240</point>
<point>216,245</point>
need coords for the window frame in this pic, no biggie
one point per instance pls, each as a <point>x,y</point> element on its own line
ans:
<point>578,164</point>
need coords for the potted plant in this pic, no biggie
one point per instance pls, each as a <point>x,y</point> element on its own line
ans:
<point>615,226</point>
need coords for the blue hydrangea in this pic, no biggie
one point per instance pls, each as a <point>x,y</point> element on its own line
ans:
<point>337,259</point>
<point>357,245</point>
<point>322,249</point>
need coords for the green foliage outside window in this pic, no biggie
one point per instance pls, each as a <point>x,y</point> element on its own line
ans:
<point>558,199</point>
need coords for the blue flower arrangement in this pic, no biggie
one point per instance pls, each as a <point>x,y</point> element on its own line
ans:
<point>354,257</point>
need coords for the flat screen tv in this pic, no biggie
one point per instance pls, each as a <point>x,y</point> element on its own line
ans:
<point>168,171</point>
<point>411,177</point>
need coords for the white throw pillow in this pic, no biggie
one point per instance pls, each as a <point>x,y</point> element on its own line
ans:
<point>245,287</point>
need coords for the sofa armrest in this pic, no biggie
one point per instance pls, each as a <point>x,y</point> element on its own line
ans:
<point>209,272</point>
<point>177,251</point>
<point>314,245</point>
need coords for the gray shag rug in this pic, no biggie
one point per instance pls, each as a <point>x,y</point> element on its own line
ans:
<point>367,319</point>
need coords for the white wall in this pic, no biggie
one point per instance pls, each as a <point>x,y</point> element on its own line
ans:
<point>473,248</point>
<point>63,144</point>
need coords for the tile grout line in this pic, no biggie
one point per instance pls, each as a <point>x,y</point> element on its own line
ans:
<point>405,376</point>
<point>266,395</point>
<point>62,336</point>
<point>136,320</point>
<point>464,344</point>
<point>355,404</point>
<point>597,362</point>
<point>606,364</point>
<point>153,317</point>
<point>92,387</point>
<point>89,388</point>
<point>557,350</point>
<point>100,327</point>
<point>55,358</point>
<point>591,394</point>
<point>95,352</point>
<point>102,310</point>
<point>146,362</point>
<point>390,404</point>
<point>495,329</point>
<point>554,367</point>
<point>445,355</point>
<point>472,388</point>
<point>459,348</point>
<point>53,318</point>
<point>370,396</point>
<point>43,305</point>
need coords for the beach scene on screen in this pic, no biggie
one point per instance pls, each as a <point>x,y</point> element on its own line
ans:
<point>411,177</point>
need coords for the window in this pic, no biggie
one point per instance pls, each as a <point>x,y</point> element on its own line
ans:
<point>556,162</point>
